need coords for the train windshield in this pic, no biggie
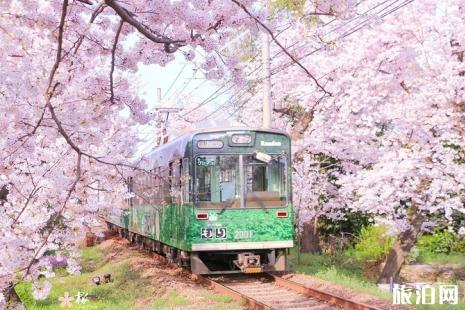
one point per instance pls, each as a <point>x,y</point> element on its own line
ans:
<point>240,181</point>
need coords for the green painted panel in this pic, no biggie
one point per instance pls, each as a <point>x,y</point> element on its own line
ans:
<point>243,225</point>
<point>178,226</point>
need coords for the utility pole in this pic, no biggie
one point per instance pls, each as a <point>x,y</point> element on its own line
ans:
<point>266,77</point>
<point>167,110</point>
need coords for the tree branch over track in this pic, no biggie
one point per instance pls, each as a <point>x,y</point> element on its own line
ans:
<point>275,40</point>
<point>94,15</point>
<point>113,54</point>
<point>170,45</point>
<point>49,94</point>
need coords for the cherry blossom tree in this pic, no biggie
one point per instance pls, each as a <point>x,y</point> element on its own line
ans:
<point>68,111</point>
<point>316,175</point>
<point>390,109</point>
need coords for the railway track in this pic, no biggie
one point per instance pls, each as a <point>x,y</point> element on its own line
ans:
<point>268,291</point>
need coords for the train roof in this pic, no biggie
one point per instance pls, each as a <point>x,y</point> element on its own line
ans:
<point>163,154</point>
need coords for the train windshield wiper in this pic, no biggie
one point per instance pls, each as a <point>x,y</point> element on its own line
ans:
<point>227,204</point>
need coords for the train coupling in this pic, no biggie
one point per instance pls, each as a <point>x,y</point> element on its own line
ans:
<point>248,263</point>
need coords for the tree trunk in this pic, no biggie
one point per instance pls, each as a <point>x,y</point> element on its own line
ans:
<point>401,248</point>
<point>12,299</point>
<point>310,237</point>
<point>3,194</point>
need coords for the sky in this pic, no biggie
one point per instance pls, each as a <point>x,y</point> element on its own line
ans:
<point>176,78</point>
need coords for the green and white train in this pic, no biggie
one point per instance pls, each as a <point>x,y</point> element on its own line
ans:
<point>218,201</point>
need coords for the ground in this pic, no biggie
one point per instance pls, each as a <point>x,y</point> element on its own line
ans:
<point>140,282</point>
<point>143,281</point>
<point>356,280</point>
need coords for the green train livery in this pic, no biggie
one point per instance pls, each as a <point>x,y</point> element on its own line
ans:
<point>216,201</point>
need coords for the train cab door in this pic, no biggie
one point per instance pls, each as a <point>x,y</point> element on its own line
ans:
<point>171,207</point>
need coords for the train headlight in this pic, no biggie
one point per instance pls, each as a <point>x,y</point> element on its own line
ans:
<point>262,157</point>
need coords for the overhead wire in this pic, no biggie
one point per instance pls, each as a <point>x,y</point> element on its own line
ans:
<point>174,81</point>
<point>212,96</point>
<point>357,27</point>
<point>344,35</point>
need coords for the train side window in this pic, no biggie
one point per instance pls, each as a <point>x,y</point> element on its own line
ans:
<point>153,188</point>
<point>161,184</point>
<point>157,185</point>
<point>130,190</point>
<point>166,177</point>
<point>185,180</point>
<point>170,176</point>
<point>176,181</point>
<point>171,182</point>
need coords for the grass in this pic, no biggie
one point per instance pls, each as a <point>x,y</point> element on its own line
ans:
<point>128,291</point>
<point>343,270</point>
<point>92,258</point>
<point>171,300</point>
<point>122,293</point>
<point>338,269</point>
<point>441,258</point>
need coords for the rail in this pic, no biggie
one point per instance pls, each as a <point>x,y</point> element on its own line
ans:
<point>269,291</point>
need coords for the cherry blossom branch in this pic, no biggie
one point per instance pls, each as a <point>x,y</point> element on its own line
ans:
<point>36,126</point>
<point>36,189</point>
<point>113,53</point>
<point>30,134</point>
<point>275,40</point>
<point>170,45</point>
<point>94,15</point>
<point>49,94</point>
<point>58,214</point>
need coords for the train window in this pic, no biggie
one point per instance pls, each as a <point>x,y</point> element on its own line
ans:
<point>131,191</point>
<point>185,179</point>
<point>158,185</point>
<point>218,181</point>
<point>265,182</point>
<point>175,183</point>
<point>166,182</point>
<point>170,175</point>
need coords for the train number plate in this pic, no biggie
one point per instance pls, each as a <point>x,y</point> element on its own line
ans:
<point>209,233</point>
<point>206,233</point>
<point>252,270</point>
<point>220,233</point>
<point>243,234</point>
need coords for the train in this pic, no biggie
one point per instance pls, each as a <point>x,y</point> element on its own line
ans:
<point>214,201</point>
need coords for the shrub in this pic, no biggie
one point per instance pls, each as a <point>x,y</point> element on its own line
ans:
<point>413,255</point>
<point>442,242</point>
<point>373,243</point>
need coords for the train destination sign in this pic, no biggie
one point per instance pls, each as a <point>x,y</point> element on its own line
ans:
<point>204,161</point>
<point>210,144</point>
<point>270,143</point>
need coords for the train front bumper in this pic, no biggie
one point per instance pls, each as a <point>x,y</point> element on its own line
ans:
<point>242,245</point>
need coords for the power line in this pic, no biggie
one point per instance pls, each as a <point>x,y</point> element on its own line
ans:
<point>175,80</point>
<point>212,96</point>
<point>344,35</point>
<point>186,83</point>
<point>218,92</point>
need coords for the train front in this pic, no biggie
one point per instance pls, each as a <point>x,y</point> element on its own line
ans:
<point>243,215</point>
